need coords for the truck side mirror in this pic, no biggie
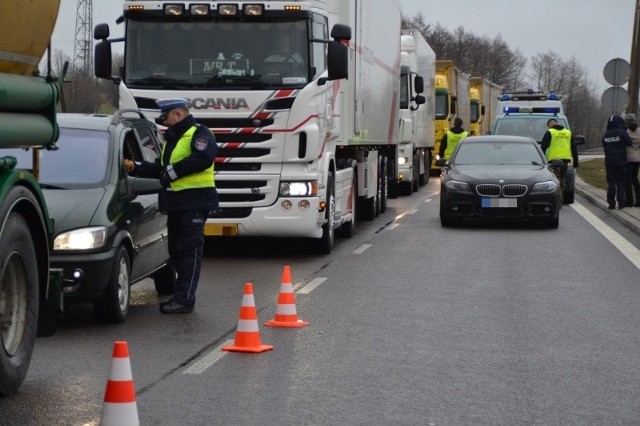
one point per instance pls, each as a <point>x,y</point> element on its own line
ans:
<point>337,61</point>
<point>419,99</point>
<point>102,60</point>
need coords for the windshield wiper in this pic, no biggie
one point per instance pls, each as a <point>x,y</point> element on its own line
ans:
<point>161,81</point>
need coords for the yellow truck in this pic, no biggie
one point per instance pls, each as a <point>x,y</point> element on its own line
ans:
<point>452,100</point>
<point>483,98</point>
<point>30,292</point>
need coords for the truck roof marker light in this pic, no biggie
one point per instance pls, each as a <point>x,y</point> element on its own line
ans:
<point>199,10</point>
<point>292,8</point>
<point>227,9</point>
<point>253,10</point>
<point>174,9</point>
<point>136,7</point>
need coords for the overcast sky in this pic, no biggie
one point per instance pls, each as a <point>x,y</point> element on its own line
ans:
<point>594,31</point>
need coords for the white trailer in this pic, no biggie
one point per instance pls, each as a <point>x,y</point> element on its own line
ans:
<point>303,145</point>
<point>417,110</point>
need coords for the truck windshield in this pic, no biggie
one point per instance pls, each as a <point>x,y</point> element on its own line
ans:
<point>217,55</point>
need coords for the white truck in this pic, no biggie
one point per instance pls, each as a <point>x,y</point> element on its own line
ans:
<point>303,145</point>
<point>417,110</point>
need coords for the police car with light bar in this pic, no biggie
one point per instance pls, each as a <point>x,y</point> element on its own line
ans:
<point>527,115</point>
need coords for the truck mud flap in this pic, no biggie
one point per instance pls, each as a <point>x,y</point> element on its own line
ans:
<point>51,305</point>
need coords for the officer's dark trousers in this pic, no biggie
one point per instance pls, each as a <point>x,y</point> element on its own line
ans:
<point>616,183</point>
<point>186,241</point>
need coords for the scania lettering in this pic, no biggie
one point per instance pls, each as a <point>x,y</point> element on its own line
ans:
<point>304,145</point>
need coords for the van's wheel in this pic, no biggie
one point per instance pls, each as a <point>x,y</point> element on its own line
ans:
<point>325,243</point>
<point>113,305</point>
<point>18,302</point>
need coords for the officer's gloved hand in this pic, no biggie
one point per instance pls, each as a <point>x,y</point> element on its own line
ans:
<point>165,181</point>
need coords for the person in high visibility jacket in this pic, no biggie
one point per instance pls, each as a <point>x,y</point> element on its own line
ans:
<point>558,144</point>
<point>451,138</point>
<point>185,171</point>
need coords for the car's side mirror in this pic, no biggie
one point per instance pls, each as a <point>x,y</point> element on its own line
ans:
<point>579,140</point>
<point>143,186</point>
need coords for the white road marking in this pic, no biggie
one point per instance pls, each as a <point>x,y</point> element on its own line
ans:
<point>311,286</point>
<point>625,247</point>
<point>361,249</point>
<point>394,225</point>
<point>209,359</point>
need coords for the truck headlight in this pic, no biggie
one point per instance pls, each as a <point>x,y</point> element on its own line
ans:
<point>81,239</point>
<point>298,189</point>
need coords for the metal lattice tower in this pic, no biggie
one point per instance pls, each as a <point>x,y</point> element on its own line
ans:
<point>83,42</point>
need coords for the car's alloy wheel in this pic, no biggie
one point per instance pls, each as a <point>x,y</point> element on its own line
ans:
<point>113,306</point>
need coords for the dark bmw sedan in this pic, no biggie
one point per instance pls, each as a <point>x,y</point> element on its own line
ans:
<point>109,232</point>
<point>499,178</point>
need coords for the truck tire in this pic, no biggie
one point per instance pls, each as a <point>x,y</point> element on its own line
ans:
<point>18,302</point>
<point>348,229</point>
<point>383,185</point>
<point>326,241</point>
<point>113,305</point>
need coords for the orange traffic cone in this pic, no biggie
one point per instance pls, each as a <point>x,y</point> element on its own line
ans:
<point>247,333</point>
<point>120,407</point>
<point>286,314</point>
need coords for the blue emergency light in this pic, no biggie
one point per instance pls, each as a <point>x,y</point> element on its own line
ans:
<point>530,110</point>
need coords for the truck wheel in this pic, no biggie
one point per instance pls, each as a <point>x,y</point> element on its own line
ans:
<point>348,229</point>
<point>325,244</point>
<point>113,306</point>
<point>18,302</point>
<point>415,182</point>
<point>383,185</point>
<point>424,178</point>
<point>165,279</point>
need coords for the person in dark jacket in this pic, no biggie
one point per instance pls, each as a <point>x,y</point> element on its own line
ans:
<point>185,171</point>
<point>451,138</point>
<point>615,142</point>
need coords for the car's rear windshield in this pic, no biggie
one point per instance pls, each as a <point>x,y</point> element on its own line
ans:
<point>80,160</point>
<point>498,153</point>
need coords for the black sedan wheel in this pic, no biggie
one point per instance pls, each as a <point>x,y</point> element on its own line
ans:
<point>113,306</point>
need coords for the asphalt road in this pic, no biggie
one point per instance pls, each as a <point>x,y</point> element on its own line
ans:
<point>409,324</point>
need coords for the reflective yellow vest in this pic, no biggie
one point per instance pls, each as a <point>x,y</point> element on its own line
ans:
<point>560,145</point>
<point>452,141</point>
<point>203,179</point>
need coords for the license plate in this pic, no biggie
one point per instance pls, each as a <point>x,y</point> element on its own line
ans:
<point>220,229</point>
<point>499,202</point>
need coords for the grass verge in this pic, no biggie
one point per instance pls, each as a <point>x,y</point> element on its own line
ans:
<point>593,173</point>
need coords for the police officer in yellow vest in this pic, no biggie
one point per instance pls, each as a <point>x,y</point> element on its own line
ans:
<point>451,138</point>
<point>558,144</point>
<point>185,170</point>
